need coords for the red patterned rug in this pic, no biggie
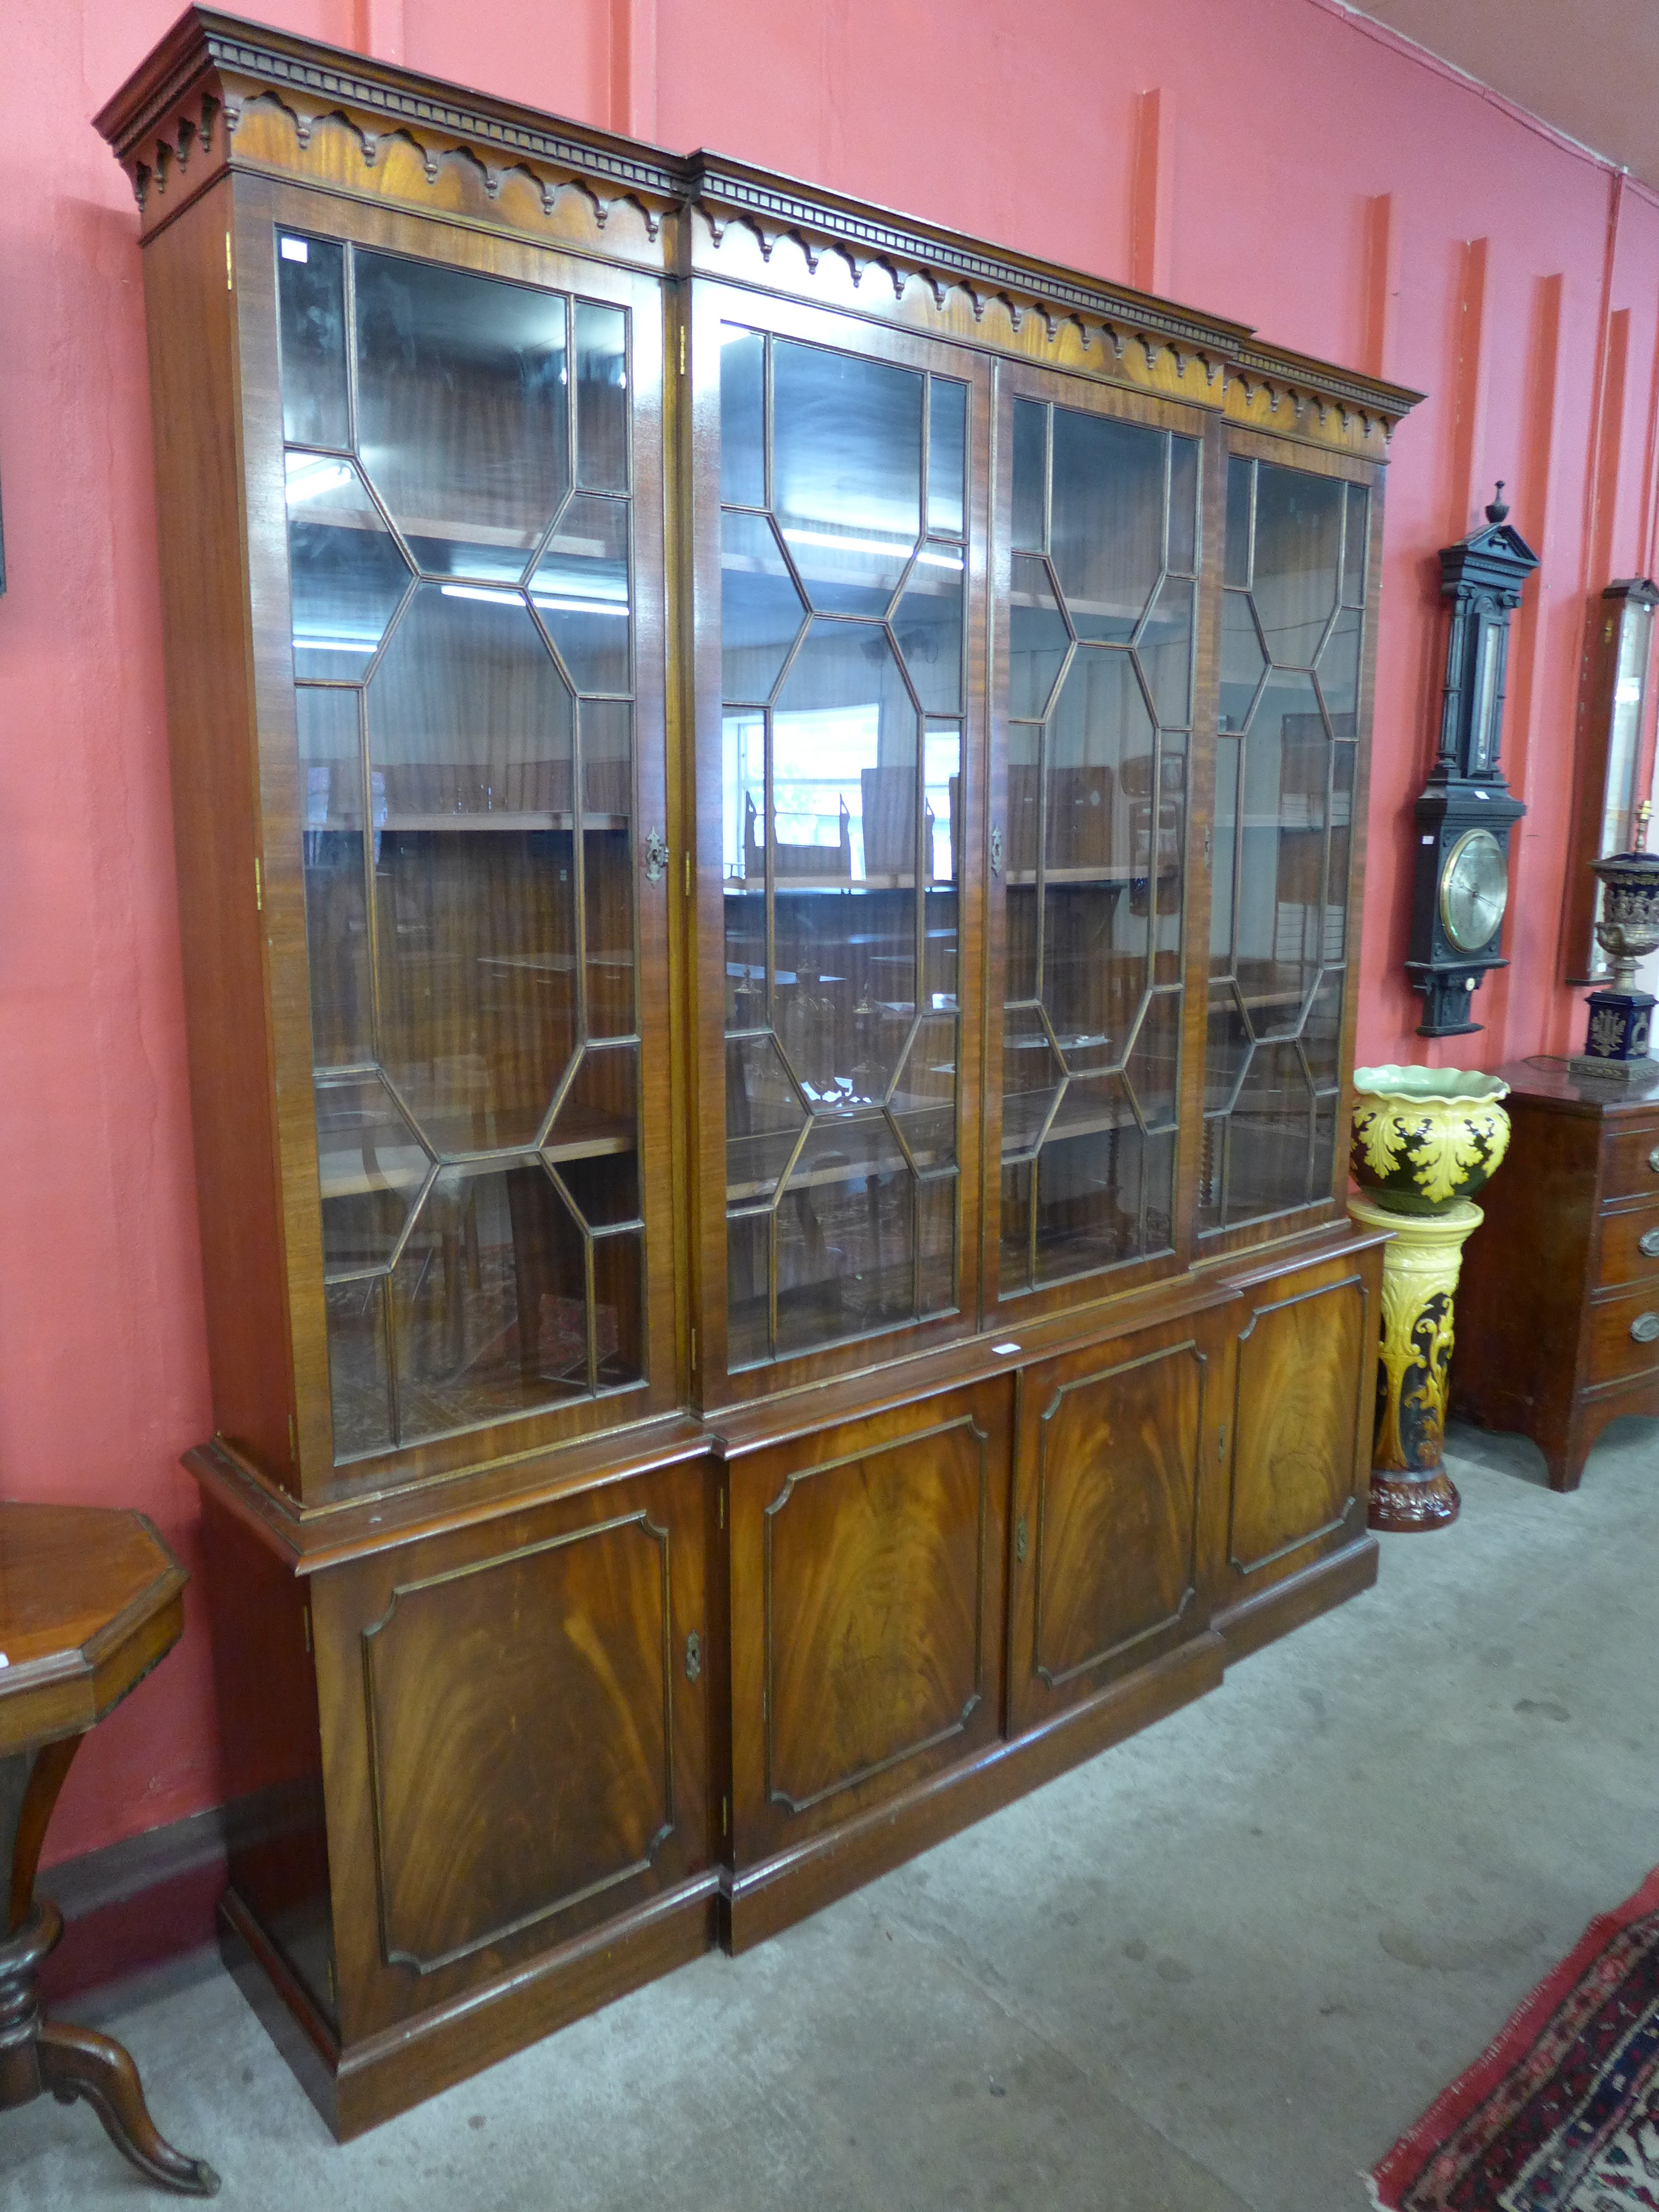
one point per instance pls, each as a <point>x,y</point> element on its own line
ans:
<point>1561,2114</point>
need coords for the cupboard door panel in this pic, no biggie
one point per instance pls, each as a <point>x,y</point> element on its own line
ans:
<point>867,1590</point>
<point>516,1750</point>
<point>1307,1360</point>
<point>1110,1499</point>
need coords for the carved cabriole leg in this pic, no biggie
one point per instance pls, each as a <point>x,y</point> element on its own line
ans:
<point>37,2055</point>
<point>1410,1487</point>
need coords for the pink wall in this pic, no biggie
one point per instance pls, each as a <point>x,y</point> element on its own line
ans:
<point>1316,179</point>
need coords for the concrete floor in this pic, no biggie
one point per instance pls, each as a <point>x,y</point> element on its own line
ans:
<point>1222,1966</point>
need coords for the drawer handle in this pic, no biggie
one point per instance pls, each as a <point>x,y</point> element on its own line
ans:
<point>1647,1243</point>
<point>1644,1328</point>
<point>1653,1160</point>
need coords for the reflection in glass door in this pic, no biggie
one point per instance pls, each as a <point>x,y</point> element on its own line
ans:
<point>842,483</point>
<point>1292,644</point>
<point>460,573</point>
<point>1100,702</point>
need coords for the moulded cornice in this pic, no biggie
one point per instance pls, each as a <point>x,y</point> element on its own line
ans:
<point>178,116</point>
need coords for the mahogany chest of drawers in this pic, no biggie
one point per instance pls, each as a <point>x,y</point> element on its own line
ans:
<point>1558,1311</point>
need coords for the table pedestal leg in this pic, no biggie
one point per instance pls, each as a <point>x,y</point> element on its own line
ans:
<point>1410,1487</point>
<point>37,2055</point>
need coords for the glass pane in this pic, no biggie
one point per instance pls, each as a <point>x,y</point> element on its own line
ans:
<point>601,397</point>
<point>1014,1258</point>
<point>846,993</point>
<point>761,610</point>
<point>1227,766</point>
<point>1089,993</point>
<point>1298,522</point>
<point>1244,662</point>
<point>371,1170</point>
<point>346,576</point>
<point>594,1145</point>
<point>1088,1193</point>
<point>580,590</point>
<point>461,412</point>
<point>742,742</point>
<point>1030,475</point>
<point>607,726</point>
<point>844,710</point>
<point>1038,641</point>
<point>1154,1065</point>
<point>764,1117</point>
<point>359,1379</point>
<point>1270,1157</point>
<point>936,1243</point>
<point>1339,673</point>
<point>924,1100</point>
<point>1241,487</point>
<point>1353,561</point>
<point>927,624</point>
<point>477,955</point>
<point>1101,723</point>
<point>743,450</point>
<point>608,896</point>
<point>947,457</point>
<point>1032,1072</point>
<point>1183,505</point>
<point>1321,1033</point>
<point>336,906</point>
<point>846,473</point>
<point>942,801</point>
<point>846,1231</point>
<point>311,314</point>
<point>467,713</point>
<point>1108,540</point>
<point>490,1301</point>
<point>1165,652</point>
<point>748,1288</point>
<point>1024,822</point>
<point>619,1308</point>
<point>939,990</point>
<point>1227,1050</point>
<point>1336,875</point>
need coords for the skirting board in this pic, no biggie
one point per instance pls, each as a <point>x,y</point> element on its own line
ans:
<point>138,1904</point>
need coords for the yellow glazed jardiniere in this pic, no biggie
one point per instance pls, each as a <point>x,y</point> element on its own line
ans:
<point>1425,1136</point>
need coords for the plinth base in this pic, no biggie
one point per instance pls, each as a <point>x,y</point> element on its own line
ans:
<point>1402,1504</point>
<point>1583,1066</point>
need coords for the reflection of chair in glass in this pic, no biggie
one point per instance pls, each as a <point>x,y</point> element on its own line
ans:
<point>889,823</point>
<point>825,861</point>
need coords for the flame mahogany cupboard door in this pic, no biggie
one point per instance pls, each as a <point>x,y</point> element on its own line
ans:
<point>1304,1407</point>
<point>1119,1506</point>
<point>867,1587</point>
<point>515,1733</point>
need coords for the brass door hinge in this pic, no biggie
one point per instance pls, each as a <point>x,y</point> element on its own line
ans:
<point>725,1815</point>
<point>259,889</point>
<point>230,266</point>
<point>1019,1539</point>
<point>694,1345</point>
<point>305,1626</point>
<point>682,349</point>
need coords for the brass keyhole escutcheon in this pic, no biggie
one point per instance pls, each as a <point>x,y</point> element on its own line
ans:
<point>693,1656</point>
<point>1019,1539</point>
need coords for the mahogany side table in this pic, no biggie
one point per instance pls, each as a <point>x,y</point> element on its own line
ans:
<point>89,1601</point>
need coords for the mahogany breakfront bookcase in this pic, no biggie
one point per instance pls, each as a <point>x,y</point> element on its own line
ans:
<point>769,807</point>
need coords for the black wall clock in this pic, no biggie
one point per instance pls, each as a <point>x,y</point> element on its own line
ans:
<point>1466,812</point>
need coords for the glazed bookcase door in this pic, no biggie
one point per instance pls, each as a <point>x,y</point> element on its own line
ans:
<point>473,568</point>
<point>1298,613</point>
<point>838,541</point>
<point>1100,690</point>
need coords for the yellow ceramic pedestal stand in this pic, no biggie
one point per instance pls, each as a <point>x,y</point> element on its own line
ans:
<point>1410,1487</point>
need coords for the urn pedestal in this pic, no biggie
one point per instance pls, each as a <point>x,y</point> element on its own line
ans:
<point>1410,1487</point>
<point>1423,1139</point>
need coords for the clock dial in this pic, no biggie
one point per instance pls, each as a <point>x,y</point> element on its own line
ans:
<point>1474,889</point>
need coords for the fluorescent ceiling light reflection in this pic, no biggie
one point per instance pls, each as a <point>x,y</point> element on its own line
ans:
<point>841,543</point>
<point>580,606</point>
<point>309,476</point>
<point>480,592</point>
